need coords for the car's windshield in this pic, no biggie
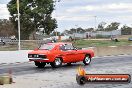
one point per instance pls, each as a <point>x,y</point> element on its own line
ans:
<point>46,47</point>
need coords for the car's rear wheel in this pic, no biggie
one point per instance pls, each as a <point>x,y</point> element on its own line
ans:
<point>56,63</point>
<point>40,64</point>
<point>69,64</point>
<point>87,60</point>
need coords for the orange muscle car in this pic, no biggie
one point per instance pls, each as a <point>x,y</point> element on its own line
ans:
<point>57,53</point>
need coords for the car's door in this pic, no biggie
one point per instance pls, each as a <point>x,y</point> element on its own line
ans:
<point>68,53</point>
<point>79,55</point>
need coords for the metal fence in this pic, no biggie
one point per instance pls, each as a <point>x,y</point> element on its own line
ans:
<point>25,44</point>
<point>96,34</point>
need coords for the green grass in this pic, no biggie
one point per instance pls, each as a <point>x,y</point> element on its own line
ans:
<point>79,43</point>
<point>91,43</point>
<point>24,46</point>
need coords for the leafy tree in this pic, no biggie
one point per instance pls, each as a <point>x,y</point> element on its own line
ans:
<point>101,26</point>
<point>112,26</point>
<point>6,28</point>
<point>34,15</point>
<point>80,30</point>
<point>89,29</point>
<point>65,32</point>
<point>73,30</point>
<point>126,30</point>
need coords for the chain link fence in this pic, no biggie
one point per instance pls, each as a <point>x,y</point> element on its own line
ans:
<point>7,44</point>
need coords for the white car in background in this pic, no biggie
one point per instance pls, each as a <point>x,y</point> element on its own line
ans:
<point>55,38</point>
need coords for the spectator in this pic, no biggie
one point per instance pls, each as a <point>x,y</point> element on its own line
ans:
<point>3,43</point>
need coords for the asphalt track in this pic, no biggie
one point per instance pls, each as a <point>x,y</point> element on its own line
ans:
<point>110,64</point>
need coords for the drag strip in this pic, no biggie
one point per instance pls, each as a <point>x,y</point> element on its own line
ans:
<point>30,68</point>
<point>65,76</point>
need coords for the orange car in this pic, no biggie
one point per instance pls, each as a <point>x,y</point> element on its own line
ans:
<point>57,53</point>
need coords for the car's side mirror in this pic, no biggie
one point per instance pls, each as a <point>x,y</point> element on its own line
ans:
<point>78,48</point>
<point>75,48</point>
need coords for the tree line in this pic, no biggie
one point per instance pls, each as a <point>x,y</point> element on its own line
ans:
<point>103,26</point>
<point>6,28</point>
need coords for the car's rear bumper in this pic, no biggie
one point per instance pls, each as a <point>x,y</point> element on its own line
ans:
<point>39,59</point>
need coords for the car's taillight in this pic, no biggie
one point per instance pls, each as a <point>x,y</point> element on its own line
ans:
<point>33,56</point>
<point>30,55</point>
<point>36,56</point>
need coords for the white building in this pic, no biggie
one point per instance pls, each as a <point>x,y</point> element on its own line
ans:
<point>94,34</point>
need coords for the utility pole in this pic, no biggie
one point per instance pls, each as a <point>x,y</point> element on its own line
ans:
<point>56,15</point>
<point>76,28</point>
<point>75,35</point>
<point>95,18</point>
<point>19,43</point>
<point>131,30</point>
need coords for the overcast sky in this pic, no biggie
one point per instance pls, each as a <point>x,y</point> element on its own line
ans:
<point>82,12</point>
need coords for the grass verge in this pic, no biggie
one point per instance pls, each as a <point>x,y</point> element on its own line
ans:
<point>79,43</point>
<point>97,43</point>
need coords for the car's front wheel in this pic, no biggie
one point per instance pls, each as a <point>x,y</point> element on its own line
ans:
<point>40,64</point>
<point>57,63</point>
<point>87,60</point>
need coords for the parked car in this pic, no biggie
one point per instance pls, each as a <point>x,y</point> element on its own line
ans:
<point>57,53</point>
<point>130,39</point>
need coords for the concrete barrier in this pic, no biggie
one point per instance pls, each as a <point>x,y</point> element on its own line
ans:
<point>112,50</point>
<point>5,80</point>
<point>14,56</point>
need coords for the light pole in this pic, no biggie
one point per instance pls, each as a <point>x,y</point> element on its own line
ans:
<point>131,30</point>
<point>75,35</point>
<point>95,18</point>
<point>19,43</point>
<point>76,28</point>
<point>56,15</point>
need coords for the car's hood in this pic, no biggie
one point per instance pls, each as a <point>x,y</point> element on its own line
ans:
<point>39,52</point>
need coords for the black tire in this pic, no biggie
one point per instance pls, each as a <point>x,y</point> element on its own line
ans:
<point>57,63</point>
<point>81,80</point>
<point>4,43</point>
<point>87,60</point>
<point>69,64</point>
<point>40,64</point>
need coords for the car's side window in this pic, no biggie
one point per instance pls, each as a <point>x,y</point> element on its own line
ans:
<point>69,47</point>
<point>66,47</point>
<point>62,47</point>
